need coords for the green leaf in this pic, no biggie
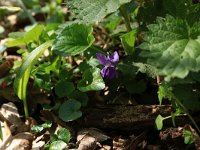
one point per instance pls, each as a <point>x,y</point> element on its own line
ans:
<point>57,145</point>
<point>69,110</point>
<point>184,9</point>
<point>188,137</point>
<point>126,66</point>
<point>1,29</point>
<point>128,41</point>
<point>22,77</point>
<point>24,38</point>
<point>10,8</point>
<point>40,128</point>
<point>15,42</point>
<point>188,96</point>
<point>159,122</point>
<point>64,135</point>
<point>91,81</point>
<point>178,8</point>
<point>146,68</point>
<point>73,39</point>
<point>112,21</point>
<point>82,97</point>
<point>33,34</point>
<point>133,86</point>
<point>173,47</point>
<point>64,88</point>
<point>164,91</point>
<point>16,35</point>
<point>91,11</point>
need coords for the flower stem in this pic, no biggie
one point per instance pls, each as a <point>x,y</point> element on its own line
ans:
<point>33,21</point>
<point>126,18</point>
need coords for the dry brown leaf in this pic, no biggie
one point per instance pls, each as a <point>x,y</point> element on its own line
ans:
<point>21,141</point>
<point>6,133</point>
<point>10,112</point>
<point>96,133</point>
<point>38,143</point>
<point>87,143</point>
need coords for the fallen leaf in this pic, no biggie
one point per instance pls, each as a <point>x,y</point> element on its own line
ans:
<point>10,112</point>
<point>21,141</point>
<point>96,133</point>
<point>87,143</point>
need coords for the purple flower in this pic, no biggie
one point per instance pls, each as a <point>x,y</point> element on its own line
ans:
<point>109,62</point>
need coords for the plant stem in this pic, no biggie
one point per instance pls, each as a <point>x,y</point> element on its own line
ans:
<point>25,108</point>
<point>33,21</point>
<point>126,18</point>
<point>186,111</point>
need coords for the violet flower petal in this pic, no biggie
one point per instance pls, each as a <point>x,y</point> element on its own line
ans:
<point>103,72</point>
<point>109,72</point>
<point>103,59</point>
<point>114,58</point>
<point>112,73</point>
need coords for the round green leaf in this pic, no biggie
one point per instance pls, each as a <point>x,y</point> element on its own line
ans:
<point>1,29</point>
<point>58,145</point>
<point>64,88</point>
<point>39,128</point>
<point>159,122</point>
<point>64,135</point>
<point>74,39</point>
<point>69,110</point>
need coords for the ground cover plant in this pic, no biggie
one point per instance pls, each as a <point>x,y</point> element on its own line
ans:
<point>100,74</point>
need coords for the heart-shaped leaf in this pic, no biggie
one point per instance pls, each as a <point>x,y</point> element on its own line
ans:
<point>69,110</point>
<point>64,135</point>
<point>57,145</point>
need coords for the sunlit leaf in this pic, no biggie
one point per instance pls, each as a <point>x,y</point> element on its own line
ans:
<point>159,122</point>
<point>128,41</point>
<point>33,34</point>
<point>39,128</point>
<point>90,11</point>
<point>91,81</point>
<point>22,77</point>
<point>57,145</point>
<point>73,39</point>
<point>10,8</point>
<point>172,46</point>
<point>64,135</point>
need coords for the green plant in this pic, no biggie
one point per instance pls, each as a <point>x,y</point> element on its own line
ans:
<point>64,59</point>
